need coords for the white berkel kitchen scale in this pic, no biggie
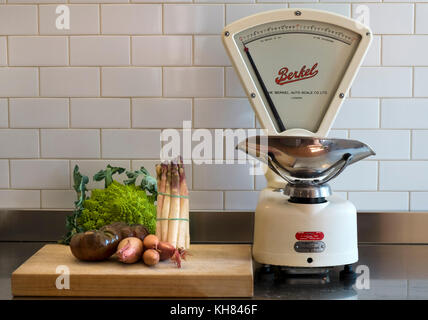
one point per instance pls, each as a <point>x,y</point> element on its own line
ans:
<point>296,66</point>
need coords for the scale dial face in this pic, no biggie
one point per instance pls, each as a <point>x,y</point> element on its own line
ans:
<point>296,66</point>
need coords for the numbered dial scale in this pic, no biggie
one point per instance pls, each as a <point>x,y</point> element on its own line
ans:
<point>296,66</point>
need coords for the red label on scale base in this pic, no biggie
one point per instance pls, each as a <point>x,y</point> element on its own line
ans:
<point>310,235</point>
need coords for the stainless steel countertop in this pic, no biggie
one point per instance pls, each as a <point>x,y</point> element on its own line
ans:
<point>396,272</point>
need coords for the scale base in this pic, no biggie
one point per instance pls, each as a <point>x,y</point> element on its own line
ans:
<point>309,236</point>
<point>294,271</point>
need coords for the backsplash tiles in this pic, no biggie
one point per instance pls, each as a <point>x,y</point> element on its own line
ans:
<point>86,19</point>
<point>102,91</point>
<point>45,51</point>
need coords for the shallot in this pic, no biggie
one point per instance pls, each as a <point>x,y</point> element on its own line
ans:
<point>168,251</point>
<point>151,242</point>
<point>151,257</point>
<point>130,250</point>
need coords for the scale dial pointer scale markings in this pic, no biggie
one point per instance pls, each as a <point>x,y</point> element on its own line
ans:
<point>299,67</point>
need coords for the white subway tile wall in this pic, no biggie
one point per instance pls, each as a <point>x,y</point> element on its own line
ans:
<point>100,113</point>
<point>39,174</point>
<point>18,20</point>
<point>3,51</point>
<point>193,82</point>
<point>123,82</point>
<point>241,200</point>
<point>209,51</point>
<point>58,199</point>
<point>69,82</point>
<point>238,11</point>
<point>421,82</point>
<point>131,19</point>
<point>160,113</point>
<point>339,8</point>
<point>373,54</point>
<point>91,51</point>
<point>420,148</point>
<point>38,112</point>
<point>19,82</point>
<point>66,143</point>
<point>4,113</point>
<point>389,18</point>
<point>86,20</point>
<point>45,51</point>
<point>102,91</point>
<point>130,144</point>
<point>233,85</point>
<point>193,19</point>
<point>223,113</point>
<point>4,174</point>
<point>162,50</point>
<point>421,18</point>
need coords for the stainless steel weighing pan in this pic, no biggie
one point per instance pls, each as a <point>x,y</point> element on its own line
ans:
<point>299,157</point>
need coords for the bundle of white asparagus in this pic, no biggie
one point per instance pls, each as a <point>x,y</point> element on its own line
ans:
<point>172,204</point>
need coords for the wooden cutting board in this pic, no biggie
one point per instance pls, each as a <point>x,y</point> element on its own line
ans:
<point>211,271</point>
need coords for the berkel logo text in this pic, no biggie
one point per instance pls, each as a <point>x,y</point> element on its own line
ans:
<point>285,76</point>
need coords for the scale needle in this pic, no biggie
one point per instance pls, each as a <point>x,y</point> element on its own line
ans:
<point>265,91</point>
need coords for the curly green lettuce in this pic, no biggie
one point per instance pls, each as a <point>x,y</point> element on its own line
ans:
<point>118,202</point>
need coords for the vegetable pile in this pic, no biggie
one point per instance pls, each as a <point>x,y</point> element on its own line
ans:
<point>128,202</point>
<point>121,219</point>
<point>130,243</point>
<point>173,204</point>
